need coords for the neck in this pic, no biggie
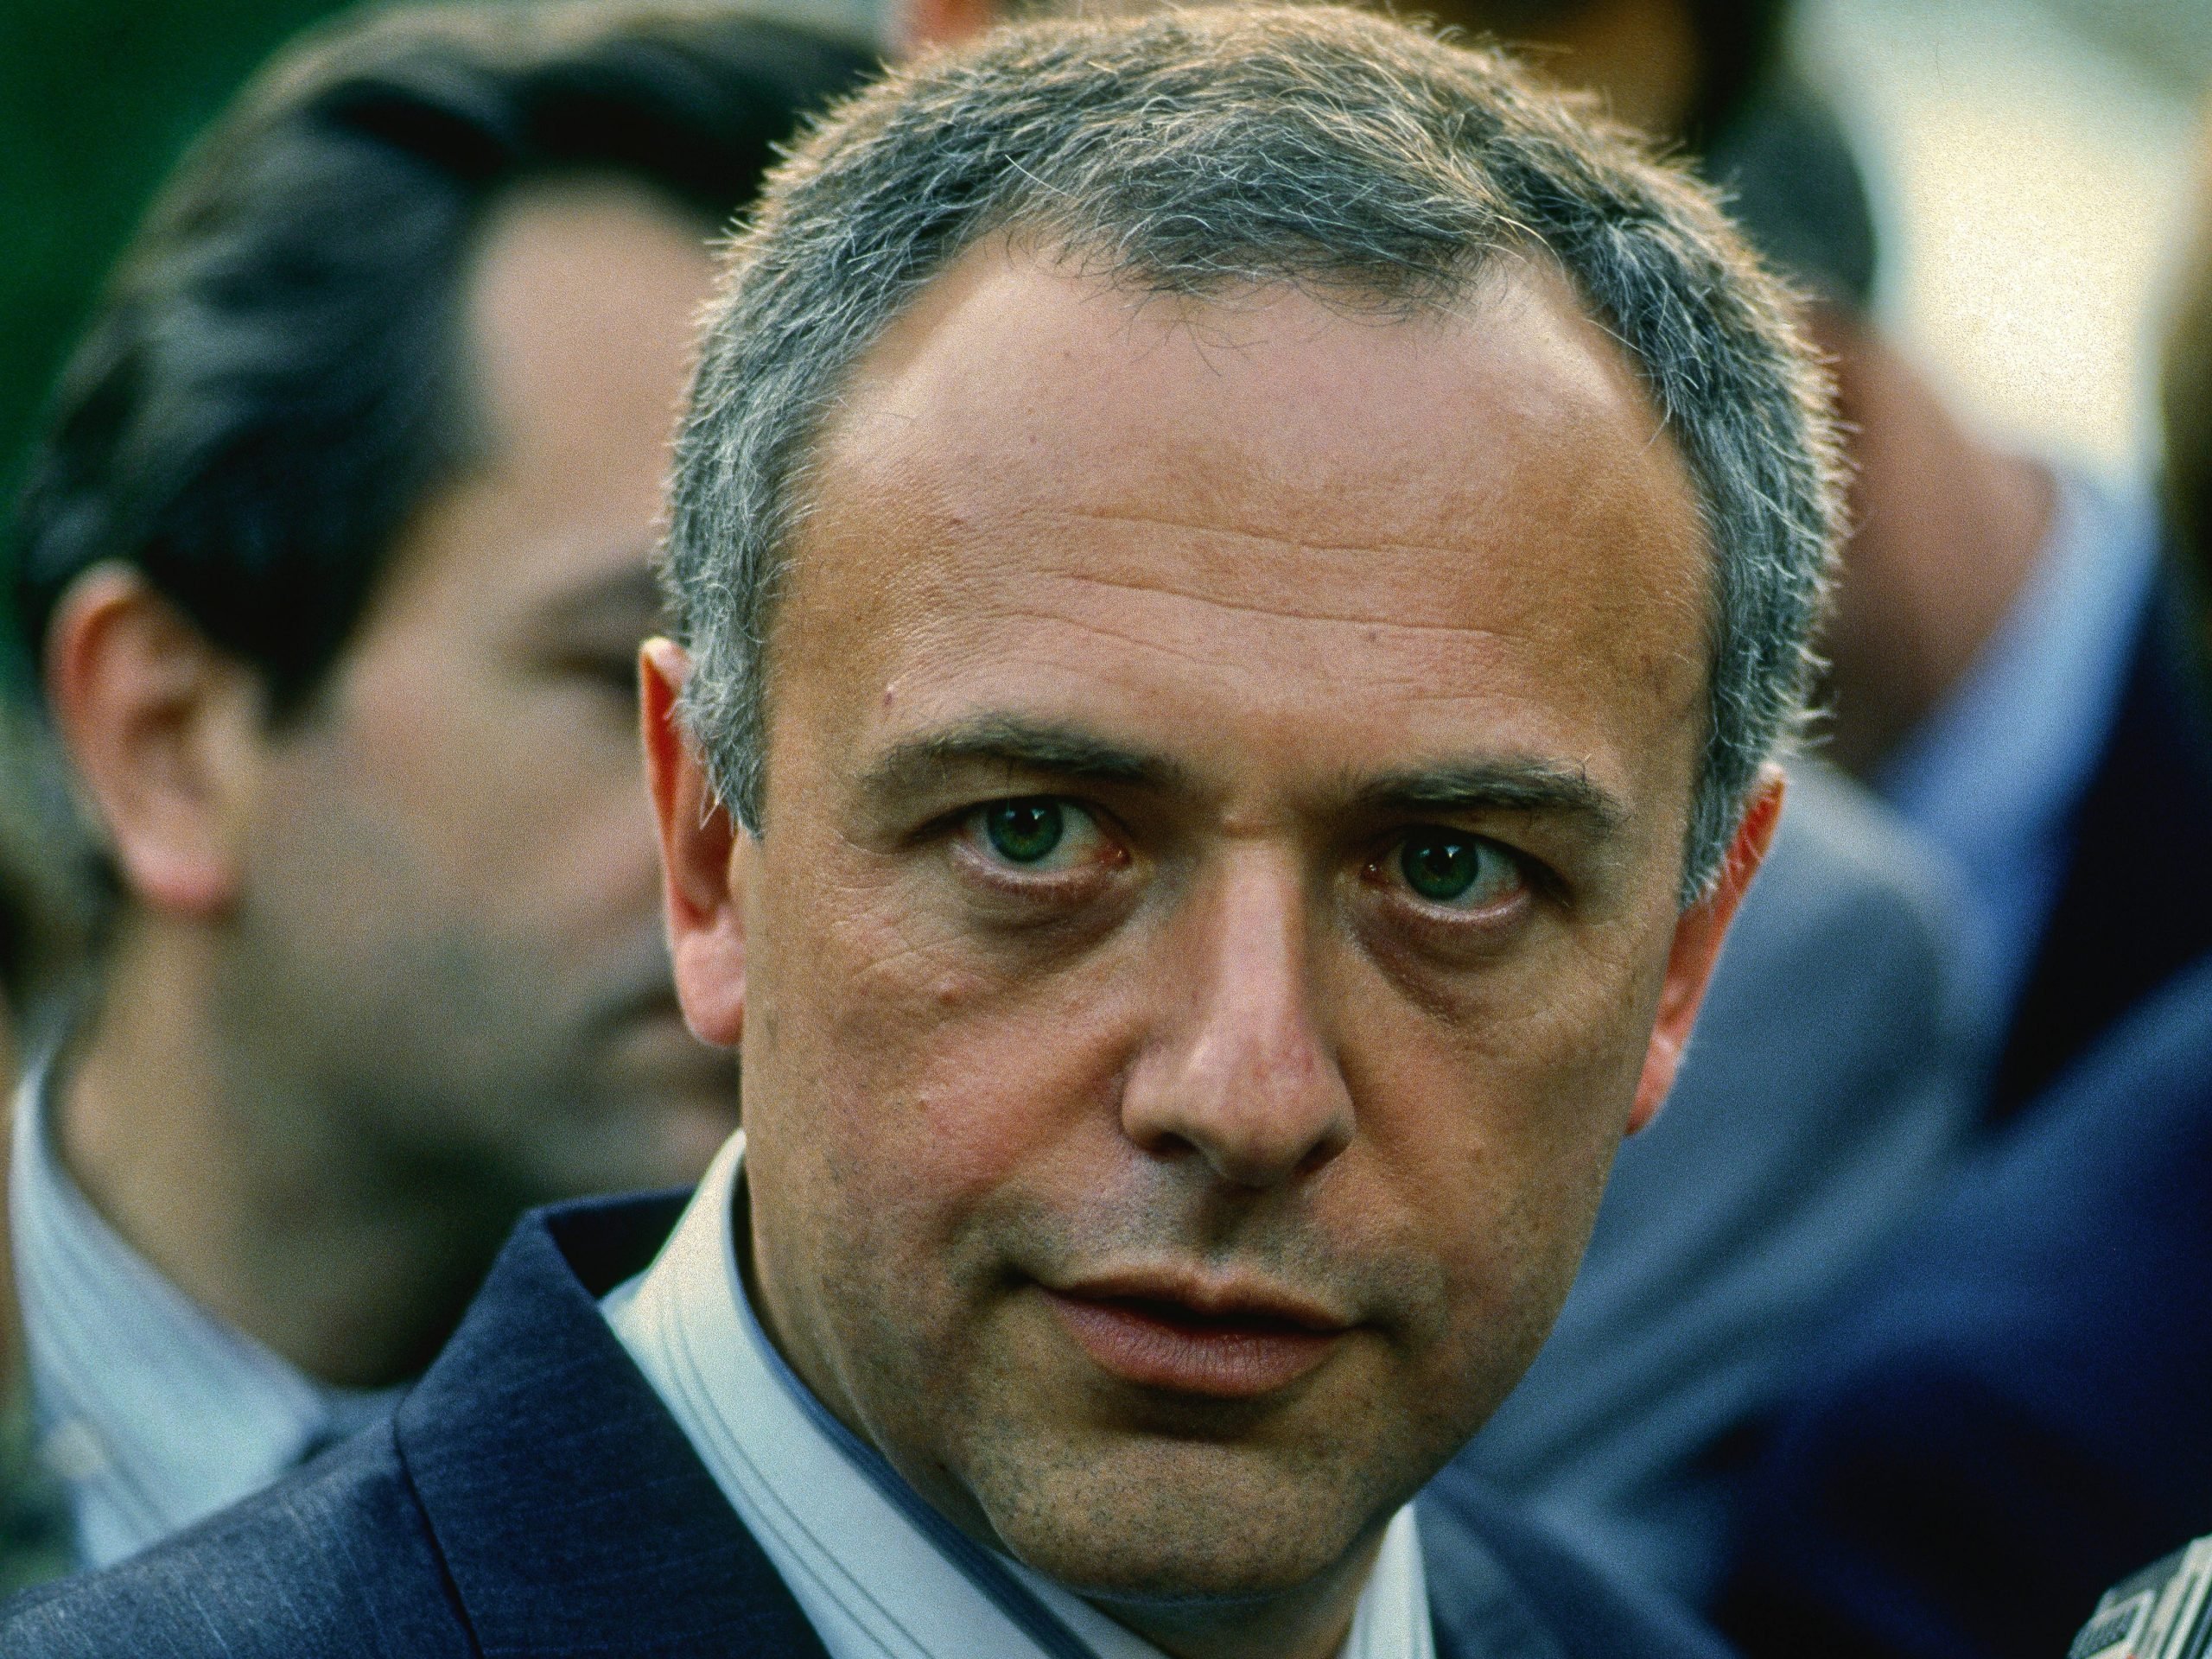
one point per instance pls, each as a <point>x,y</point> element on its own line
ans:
<point>263,1203</point>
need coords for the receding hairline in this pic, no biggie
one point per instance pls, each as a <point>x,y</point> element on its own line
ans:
<point>1498,278</point>
<point>1270,140</point>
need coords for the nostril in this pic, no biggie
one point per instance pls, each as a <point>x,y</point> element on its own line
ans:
<point>1322,1154</point>
<point>1167,1145</point>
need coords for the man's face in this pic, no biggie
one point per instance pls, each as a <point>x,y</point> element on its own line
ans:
<point>448,929</point>
<point>1227,779</point>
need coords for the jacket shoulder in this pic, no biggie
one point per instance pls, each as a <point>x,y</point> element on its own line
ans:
<point>334,1562</point>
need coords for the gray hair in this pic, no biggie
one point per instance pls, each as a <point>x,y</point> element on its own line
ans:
<point>1195,152</point>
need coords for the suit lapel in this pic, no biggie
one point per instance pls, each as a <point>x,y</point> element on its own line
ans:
<point>573,1515</point>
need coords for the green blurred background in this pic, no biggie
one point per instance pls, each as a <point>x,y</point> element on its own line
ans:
<point>97,99</point>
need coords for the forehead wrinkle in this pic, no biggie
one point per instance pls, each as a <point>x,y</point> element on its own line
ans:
<point>1413,684</point>
<point>1421,678</point>
<point>1196,527</point>
<point>1283,613</point>
<point>1135,641</point>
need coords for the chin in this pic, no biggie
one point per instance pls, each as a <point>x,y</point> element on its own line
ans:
<point>1179,1566</point>
<point>676,1156</point>
<point>1147,1532</point>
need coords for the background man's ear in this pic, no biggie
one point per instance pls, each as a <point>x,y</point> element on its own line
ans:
<point>1699,934</point>
<point>164,732</point>
<point>700,855</point>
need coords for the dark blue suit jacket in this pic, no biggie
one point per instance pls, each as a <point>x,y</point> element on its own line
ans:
<point>2018,1411</point>
<point>2134,907</point>
<point>532,1497</point>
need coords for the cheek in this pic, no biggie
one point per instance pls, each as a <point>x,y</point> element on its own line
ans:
<point>525,792</point>
<point>1490,1127</point>
<point>1525,1065</point>
<point>915,1082</point>
<point>316,818</point>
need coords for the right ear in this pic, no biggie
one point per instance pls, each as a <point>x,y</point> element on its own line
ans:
<point>701,876</point>
<point>163,732</point>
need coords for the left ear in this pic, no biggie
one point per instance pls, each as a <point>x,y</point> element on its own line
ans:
<point>1698,935</point>
<point>702,881</point>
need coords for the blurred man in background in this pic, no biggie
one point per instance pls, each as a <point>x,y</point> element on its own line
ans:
<point>335,561</point>
<point>2013,1416</point>
<point>51,897</point>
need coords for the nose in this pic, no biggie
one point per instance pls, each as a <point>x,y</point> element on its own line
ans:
<point>1241,1073</point>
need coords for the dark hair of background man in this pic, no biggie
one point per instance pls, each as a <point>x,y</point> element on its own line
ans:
<point>274,382</point>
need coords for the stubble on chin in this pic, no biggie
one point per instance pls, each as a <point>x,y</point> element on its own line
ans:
<point>984,1404</point>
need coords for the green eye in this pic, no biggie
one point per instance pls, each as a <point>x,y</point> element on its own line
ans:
<point>1025,831</point>
<point>1449,867</point>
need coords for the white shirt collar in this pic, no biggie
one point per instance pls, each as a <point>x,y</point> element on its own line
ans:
<point>150,1411</point>
<point>878,1573</point>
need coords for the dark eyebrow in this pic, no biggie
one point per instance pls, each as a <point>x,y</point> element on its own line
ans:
<point>1018,745</point>
<point>1493,786</point>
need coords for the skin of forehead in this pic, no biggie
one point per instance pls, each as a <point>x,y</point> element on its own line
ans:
<point>970,439</point>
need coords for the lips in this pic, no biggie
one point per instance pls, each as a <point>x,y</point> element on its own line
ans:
<point>1222,1343</point>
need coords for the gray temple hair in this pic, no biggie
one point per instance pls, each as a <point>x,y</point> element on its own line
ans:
<point>1200,152</point>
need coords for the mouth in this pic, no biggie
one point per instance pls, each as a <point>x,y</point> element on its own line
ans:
<point>1221,1342</point>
